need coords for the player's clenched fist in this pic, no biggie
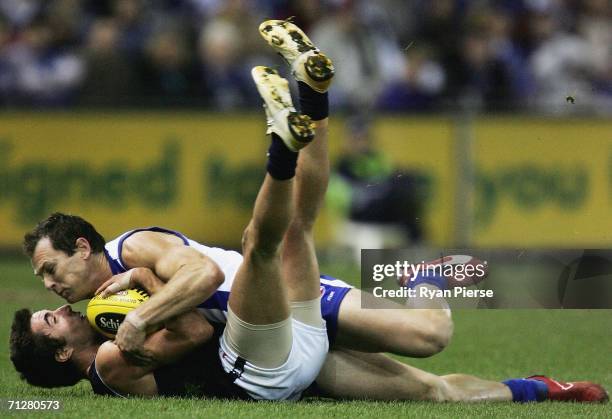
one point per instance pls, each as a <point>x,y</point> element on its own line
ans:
<point>130,339</point>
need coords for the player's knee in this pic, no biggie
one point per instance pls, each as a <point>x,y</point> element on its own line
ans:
<point>443,333</point>
<point>255,245</point>
<point>436,334</point>
<point>301,226</point>
<point>298,233</point>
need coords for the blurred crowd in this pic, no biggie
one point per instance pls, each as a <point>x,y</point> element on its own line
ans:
<point>551,56</point>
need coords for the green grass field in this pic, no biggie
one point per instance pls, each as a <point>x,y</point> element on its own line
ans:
<point>495,344</point>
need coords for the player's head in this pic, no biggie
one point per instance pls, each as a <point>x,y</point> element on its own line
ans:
<point>61,249</point>
<point>43,345</point>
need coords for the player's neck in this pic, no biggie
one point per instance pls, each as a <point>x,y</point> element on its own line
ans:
<point>101,270</point>
<point>85,357</point>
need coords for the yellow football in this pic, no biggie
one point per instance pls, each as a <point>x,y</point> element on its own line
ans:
<point>106,314</point>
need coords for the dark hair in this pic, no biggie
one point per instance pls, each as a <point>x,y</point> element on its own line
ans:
<point>33,355</point>
<point>63,230</point>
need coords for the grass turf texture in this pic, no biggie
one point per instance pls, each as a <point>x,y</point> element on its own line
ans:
<point>494,344</point>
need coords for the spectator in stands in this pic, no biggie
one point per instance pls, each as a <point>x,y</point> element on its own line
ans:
<point>43,73</point>
<point>440,24</point>
<point>420,84</point>
<point>595,27</point>
<point>226,75</point>
<point>562,63</point>
<point>5,68</point>
<point>225,45</point>
<point>168,72</point>
<point>498,23</point>
<point>306,13</point>
<point>109,79</point>
<point>478,80</point>
<point>20,13</point>
<point>366,55</point>
<point>134,21</point>
<point>373,190</point>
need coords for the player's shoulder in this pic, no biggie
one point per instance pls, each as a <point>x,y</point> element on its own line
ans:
<point>114,367</point>
<point>119,374</point>
<point>152,238</point>
<point>146,245</point>
<point>109,359</point>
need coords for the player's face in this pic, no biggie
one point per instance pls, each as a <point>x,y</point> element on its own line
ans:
<point>63,323</point>
<point>67,276</point>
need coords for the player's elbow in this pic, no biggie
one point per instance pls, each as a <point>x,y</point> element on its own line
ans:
<point>212,277</point>
<point>217,277</point>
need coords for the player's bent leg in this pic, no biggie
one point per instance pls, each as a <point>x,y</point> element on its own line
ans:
<point>396,329</point>
<point>271,355</point>
<point>271,360</point>
<point>257,291</point>
<point>298,252</point>
<point>258,301</point>
<point>258,323</point>
<point>357,375</point>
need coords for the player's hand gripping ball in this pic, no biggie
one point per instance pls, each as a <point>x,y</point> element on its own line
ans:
<point>106,314</point>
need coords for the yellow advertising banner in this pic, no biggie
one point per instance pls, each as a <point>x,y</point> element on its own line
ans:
<point>195,173</point>
<point>536,182</point>
<point>542,183</point>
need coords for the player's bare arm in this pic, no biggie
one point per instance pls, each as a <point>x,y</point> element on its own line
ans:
<point>191,278</point>
<point>181,335</point>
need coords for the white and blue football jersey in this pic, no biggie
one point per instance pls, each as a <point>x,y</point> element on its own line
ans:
<point>214,308</point>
